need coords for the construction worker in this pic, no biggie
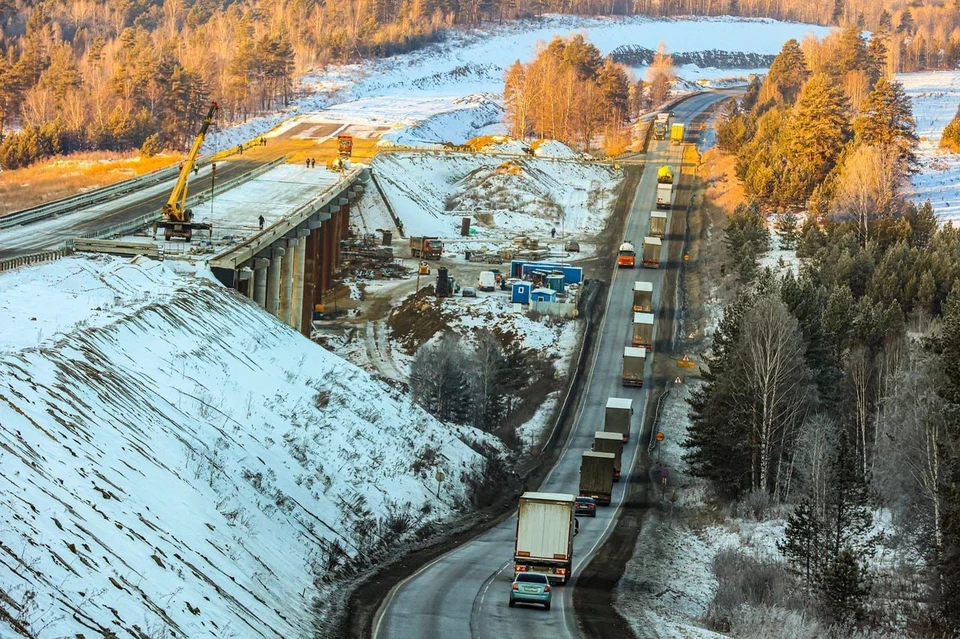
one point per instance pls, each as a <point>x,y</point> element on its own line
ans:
<point>261,220</point>
<point>553,232</point>
<point>240,149</point>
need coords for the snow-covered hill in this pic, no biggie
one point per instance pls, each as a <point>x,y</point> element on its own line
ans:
<point>505,195</point>
<point>177,462</point>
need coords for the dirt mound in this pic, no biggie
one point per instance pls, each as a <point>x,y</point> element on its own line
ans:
<point>418,319</point>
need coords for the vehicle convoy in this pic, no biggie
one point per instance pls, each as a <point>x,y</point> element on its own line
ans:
<point>530,588</point>
<point>642,297</point>
<point>626,255</point>
<point>618,414</point>
<point>633,363</point>
<point>175,219</point>
<point>658,223</point>
<point>423,247</point>
<point>545,529</point>
<point>604,442</point>
<point>651,252</point>
<point>665,175</point>
<point>596,476</point>
<point>676,133</point>
<point>660,125</point>
<point>643,330</point>
<point>664,195</point>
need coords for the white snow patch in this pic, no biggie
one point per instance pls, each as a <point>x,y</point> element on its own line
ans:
<point>935,96</point>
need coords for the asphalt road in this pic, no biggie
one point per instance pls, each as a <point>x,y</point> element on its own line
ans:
<point>51,233</point>
<point>464,592</point>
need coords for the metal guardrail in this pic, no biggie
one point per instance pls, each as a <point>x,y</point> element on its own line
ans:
<point>81,200</point>
<point>34,258</point>
<point>129,226</point>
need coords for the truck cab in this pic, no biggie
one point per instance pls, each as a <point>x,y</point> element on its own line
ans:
<point>626,255</point>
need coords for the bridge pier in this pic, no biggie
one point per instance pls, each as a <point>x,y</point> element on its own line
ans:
<point>273,280</point>
<point>286,269</point>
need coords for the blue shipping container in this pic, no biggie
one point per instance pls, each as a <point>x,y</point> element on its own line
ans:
<point>523,268</point>
<point>543,295</point>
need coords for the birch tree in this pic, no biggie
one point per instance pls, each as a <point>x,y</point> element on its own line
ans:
<point>776,386</point>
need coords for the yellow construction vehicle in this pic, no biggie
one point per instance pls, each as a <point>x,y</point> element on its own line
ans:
<point>177,220</point>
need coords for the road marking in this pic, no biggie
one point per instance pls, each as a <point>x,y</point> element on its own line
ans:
<point>393,592</point>
<point>483,594</point>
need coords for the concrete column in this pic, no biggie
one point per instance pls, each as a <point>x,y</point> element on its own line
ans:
<point>286,283</point>
<point>273,280</point>
<point>251,283</point>
<point>299,262</point>
<point>260,265</point>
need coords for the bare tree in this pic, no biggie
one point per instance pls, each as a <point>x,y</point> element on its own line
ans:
<point>910,451</point>
<point>871,179</point>
<point>777,387</point>
<point>660,75</point>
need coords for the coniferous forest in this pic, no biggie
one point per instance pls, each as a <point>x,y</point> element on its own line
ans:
<point>127,74</point>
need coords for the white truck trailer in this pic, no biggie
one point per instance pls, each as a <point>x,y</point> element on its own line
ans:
<point>545,531</point>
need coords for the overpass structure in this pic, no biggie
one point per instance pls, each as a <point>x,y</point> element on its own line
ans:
<point>286,266</point>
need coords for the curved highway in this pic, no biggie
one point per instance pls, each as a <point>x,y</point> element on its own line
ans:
<point>464,592</point>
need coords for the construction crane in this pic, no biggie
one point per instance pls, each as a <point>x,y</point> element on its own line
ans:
<point>177,220</point>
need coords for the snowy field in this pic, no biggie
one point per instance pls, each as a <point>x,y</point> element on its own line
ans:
<point>176,458</point>
<point>449,91</point>
<point>936,98</point>
<point>505,196</point>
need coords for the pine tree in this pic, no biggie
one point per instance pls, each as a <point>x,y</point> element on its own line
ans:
<point>853,51</point>
<point>786,76</point>
<point>844,586</point>
<point>886,121</point>
<point>814,138</point>
<point>801,540</point>
<point>848,516</point>
<point>788,230</point>
<point>907,25</point>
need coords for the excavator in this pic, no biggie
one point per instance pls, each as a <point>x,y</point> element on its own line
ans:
<point>177,220</point>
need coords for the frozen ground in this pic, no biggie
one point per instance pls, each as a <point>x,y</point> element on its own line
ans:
<point>175,459</point>
<point>449,91</point>
<point>936,98</point>
<point>431,192</point>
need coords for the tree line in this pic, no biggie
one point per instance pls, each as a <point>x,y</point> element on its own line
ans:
<point>835,389</point>
<point>569,92</point>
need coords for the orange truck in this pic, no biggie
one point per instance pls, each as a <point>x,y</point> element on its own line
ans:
<point>626,256</point>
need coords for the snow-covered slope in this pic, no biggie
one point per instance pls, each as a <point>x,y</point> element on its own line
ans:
<point>458,74</point>
<point>432,191</point>
<point>935,96</point>
<point>174,458</point>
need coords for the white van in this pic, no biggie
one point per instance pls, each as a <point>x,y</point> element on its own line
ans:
<point>487,281</point>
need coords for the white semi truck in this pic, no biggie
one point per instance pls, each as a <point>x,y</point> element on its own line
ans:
<point>545,529</point>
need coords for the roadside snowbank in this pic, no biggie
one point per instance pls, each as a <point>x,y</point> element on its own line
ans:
<point>176,458</point>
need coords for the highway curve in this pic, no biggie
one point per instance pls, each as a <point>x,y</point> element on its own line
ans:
<point>464,593</point>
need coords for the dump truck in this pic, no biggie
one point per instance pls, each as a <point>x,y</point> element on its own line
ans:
<point>660,125</point>
<point>664,196</point>
<point>596,476</point>
<point>658,223</point>
<point>604,442</point>
<point>619,412</point>
<point>676,133</point>
<point>545,531</point>
<point>626,255</point>
<point>643,330</point>
<point>651,252</point>
<point>665,175</point>
<point>430,248</point>
<point>633,361</point>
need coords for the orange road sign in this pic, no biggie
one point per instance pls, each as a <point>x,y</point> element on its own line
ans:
<point>686,362</point>
<point>660,437</point>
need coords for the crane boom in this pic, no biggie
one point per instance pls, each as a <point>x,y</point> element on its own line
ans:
<point>177,220</point>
